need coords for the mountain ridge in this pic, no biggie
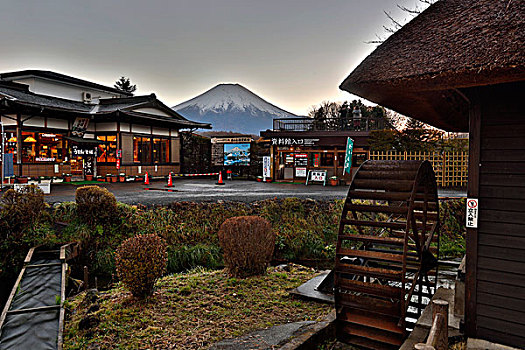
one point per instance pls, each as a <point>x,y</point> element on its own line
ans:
<point>232,107</point>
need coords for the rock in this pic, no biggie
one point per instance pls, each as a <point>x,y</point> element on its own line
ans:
<point>91,297</point>
<point>89,322</point>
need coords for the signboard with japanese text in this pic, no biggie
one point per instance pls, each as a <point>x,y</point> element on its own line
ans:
<point>316,176</point>
<point>472,212</point>
<point>300,172</point>
<point>348,156</point>
<point>79,127</point>
<point>267,161</point>
<point>217,154</point>
<point>293,141</point>
<point>301,160</point>
<point>89,165</point>
<point>79,151</point>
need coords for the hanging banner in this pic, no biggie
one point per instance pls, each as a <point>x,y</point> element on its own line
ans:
<point>348,156</point>
<point>267,167</point>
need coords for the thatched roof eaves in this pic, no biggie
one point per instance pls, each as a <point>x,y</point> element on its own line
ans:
<point>453,44</point>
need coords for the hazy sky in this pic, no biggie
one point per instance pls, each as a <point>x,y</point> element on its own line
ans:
<point>294,53</point>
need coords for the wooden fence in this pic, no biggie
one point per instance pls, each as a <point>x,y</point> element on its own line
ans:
<point>451,168</point>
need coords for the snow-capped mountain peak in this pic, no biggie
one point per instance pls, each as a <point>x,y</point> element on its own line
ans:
<point>232,107</point>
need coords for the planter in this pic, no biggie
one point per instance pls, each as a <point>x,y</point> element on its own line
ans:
<point>334,182</point>
<point>114,179</point>
<point>67,178</point>
<point>22,180</point>
<point>108,178</point>
<point>88,177</point>
<point>122,177</point>
<point>259,179</point>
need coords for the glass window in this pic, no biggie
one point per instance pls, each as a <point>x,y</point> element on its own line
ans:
<point>327,159</point>
<point>161,150</point>
<point>141,149</point>
<point>107,151</point>
<point>38,147</point>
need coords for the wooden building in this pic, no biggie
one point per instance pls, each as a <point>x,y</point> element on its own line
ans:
<point>60,124</point>
<point>299,145</point>
<point>460,66</point>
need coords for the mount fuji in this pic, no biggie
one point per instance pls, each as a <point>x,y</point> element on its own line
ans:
<point>232,107</point>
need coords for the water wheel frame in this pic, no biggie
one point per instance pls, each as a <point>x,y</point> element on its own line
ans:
<point>386,256</point>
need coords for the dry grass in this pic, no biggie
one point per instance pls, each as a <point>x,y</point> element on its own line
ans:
<point>193,311</point>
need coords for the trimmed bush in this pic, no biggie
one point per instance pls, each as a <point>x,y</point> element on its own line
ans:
<point>247,243</point>
<point>23,207</point>
<point>140,261</point>
<point>95,205</point>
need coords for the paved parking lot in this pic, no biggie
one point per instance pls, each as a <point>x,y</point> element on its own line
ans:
<point>207,190</point>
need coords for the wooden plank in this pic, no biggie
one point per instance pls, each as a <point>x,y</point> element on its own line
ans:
<point>390,175</point>
<point>29,255</point>
<point>502,192</point>
<point>11,296</point>
<point>373,239</point>
<point>370,255</point>
<point>389,209</point>
<point>370,288</point>
<point>502,337</point>
<point>494,264</point>
<point>498,131</point>
<point>377,195</point>
<point>503,143</point>
<point>507,204</point>
<point>388,274</point>
<point>504,241</point>
<point>517,255</point>
<point>388,224</point>
<point>501,301</point>
<point>503,156</point>
<point>504,278</point>
<point>33,309</point>
<point>381,184</point>
<point>514,292</point>
<point>505,320</point>
<point>516,168</point>
<point>370,319</point>
<point>503,180</point>
<point>496,228</point>
<point>373,334</point>
<point>364,302</point>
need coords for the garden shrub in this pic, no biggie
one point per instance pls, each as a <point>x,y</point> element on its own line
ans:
<point>247,243</point>
<point>186,257</point>
<point>22,208</point>
<point>140,261</point>
<point>95,205</point>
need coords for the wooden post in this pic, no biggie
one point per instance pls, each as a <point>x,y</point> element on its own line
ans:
<point>421,346</point>
<point>86,278</point>
<point>19,143</point>
<point>439,333</point>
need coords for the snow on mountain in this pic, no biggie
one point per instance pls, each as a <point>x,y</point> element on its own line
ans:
<point>232,107</point>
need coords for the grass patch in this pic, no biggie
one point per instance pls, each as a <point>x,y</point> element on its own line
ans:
<point>194,310</point>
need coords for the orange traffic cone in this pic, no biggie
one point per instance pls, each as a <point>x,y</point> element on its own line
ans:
<point>170,180</point>
<point>146,179</point>
<point>220,182</point>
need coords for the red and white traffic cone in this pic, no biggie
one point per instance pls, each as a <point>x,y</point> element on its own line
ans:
<point>146,179</point>
<point>220,182</point>
<point>170,180</point>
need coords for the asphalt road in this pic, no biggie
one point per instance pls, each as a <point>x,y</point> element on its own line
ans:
<point>207,190</point>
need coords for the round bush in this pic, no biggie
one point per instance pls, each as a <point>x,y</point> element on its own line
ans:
<point>95,204</point>
<point>247,243</point>
<point>140,261</point>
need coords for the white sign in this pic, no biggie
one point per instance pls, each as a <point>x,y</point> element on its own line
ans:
<point>267,167</point>
<point>300,172</point>
<point>316,175</point>
<point>472,212</point>
<point>45,187</point>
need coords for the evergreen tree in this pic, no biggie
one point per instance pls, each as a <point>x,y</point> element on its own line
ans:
<point>124,84</point>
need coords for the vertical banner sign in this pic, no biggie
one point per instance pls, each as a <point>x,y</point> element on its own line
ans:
<point>348,156</point>
<point>472,212</point>
<point>118,163</point>
<point>266,167</point>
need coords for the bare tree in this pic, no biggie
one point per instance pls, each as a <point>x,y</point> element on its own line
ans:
<point>395,24</point>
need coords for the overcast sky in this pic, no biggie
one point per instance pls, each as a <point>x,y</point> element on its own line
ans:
<point>294,53</point>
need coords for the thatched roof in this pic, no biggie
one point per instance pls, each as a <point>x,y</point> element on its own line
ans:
<point>453,44</point>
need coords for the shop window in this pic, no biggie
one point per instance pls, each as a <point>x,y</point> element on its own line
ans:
<point>141,149</point>
<point>161,150</point>
<point>39,147</point>
<point>107,151</point>
<point>10,145</point>
<point>327,159</point>
<point>358,159</point>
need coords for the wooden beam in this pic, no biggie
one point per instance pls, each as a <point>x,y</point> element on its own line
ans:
<point>472,233</point>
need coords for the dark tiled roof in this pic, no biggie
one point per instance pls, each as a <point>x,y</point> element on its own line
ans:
<point>18,95</point>
<point>61,77</point>
<point>453,44</point>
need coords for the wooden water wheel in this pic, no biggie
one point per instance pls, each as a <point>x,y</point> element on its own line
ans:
<point>388,243</point>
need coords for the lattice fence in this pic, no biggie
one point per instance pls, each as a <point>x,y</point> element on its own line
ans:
<point>451,168</point>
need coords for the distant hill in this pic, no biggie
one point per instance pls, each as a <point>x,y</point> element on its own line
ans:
<point>232,107</point>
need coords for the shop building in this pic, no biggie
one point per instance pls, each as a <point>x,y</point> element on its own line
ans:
<point>57,124</point>
<point>299,145</point>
